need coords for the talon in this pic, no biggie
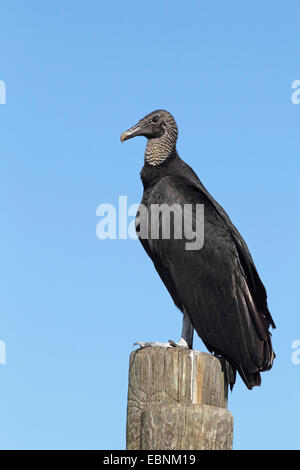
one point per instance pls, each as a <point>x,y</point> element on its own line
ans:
<point>153,344</point>
<point>141,344</point>
<point>181,344</point>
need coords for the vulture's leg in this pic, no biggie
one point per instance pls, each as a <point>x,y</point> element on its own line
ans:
<point>187,334</point>
<point>186,340</point>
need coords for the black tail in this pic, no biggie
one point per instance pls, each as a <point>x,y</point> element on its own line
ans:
<point>250,380</point>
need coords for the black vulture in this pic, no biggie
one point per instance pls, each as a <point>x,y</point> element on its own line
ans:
<point>215,285</point>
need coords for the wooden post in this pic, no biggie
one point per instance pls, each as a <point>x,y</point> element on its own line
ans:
<point>177,400</point>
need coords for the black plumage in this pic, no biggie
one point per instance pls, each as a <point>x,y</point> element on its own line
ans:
<point>217,286</point>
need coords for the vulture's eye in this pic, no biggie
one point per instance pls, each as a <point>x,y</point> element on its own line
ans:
<point>155,119</point>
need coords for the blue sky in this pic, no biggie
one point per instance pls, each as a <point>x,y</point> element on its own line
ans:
<point>77,74</point>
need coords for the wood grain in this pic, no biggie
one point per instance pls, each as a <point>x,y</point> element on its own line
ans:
<point>177,399</point>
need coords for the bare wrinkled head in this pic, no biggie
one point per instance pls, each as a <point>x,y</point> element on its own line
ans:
<point>154,125</point>
<point>160,128</point>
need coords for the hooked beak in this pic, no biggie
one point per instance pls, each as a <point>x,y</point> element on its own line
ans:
<point>132,132</point>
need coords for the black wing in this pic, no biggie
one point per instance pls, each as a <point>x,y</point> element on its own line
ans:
<point>217,285</point>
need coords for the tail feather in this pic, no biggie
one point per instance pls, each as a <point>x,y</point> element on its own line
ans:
<point>250,379</point>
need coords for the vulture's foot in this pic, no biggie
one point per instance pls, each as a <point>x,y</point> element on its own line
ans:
<point>170,344</point>
<point>152,344</point>
<point>181,344</point>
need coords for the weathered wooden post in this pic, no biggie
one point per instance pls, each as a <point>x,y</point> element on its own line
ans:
<point>177,400</point>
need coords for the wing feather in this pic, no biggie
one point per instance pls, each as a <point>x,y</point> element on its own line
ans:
<point>217,285</point>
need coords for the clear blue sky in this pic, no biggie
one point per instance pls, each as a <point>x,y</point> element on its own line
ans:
<point>77,75</point>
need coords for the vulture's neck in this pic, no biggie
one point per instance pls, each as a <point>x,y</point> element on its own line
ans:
<point>159,149</point>
<point>173,165</point>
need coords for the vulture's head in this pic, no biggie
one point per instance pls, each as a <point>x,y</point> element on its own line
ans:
<point>160,128</point>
